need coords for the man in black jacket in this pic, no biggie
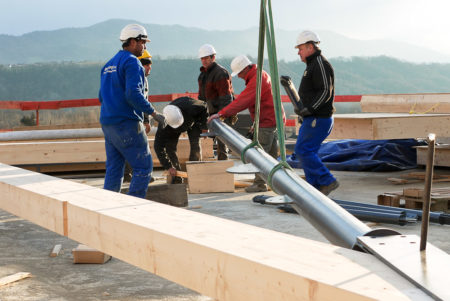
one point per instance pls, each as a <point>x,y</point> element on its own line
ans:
<point>182,114</point>
<point>317,95</point>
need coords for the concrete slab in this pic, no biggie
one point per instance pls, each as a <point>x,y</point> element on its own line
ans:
<point>25,247</point>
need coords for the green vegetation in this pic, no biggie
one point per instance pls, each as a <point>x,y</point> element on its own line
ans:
<point>56,81</point>
<point>354,76</point>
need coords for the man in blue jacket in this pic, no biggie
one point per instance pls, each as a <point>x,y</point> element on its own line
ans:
<point>123,105</point>
<point>317,95</point>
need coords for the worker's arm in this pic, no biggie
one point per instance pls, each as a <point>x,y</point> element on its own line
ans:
<point>135,83</point>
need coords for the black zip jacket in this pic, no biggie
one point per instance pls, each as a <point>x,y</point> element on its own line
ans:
<point>317,86</point>
<point>166,139</point>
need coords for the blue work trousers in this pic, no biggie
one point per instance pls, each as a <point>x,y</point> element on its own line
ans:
<point>312,133</point>
<point>127,141</point>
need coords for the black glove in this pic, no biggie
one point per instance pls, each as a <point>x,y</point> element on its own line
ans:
<point>160,118</point>
<point>304,112</point>
<point>285,80</point>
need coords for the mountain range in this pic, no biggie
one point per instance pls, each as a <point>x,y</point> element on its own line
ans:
<point>99,42</point>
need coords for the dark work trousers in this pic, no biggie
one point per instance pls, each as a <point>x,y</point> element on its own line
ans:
<point>312,133</point>
<point>268,139</point>
<point>166,141</point>
<point>127,141</point>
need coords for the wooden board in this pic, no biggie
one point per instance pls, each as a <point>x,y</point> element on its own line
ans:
<point>210,176</point>
<point>79,151</point>
<point>374,126</point>
<point>406,103</point>
<point>223,259</point>
<point>441,155</point>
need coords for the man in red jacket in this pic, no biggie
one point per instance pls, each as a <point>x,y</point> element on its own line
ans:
<point>267,134</point>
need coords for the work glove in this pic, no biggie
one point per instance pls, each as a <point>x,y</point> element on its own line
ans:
<point>285,80</point>
<point>160,119</point>
<point>233,119</point>
<point>304,112</point>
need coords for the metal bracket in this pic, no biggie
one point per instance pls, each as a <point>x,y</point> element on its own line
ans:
<point>426,269</point>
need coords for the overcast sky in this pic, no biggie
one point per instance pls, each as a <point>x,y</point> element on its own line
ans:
<point>421,22</point>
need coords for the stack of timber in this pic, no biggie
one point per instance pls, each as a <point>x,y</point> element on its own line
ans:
<point>417,177</point>
<point>412,198</point>
<point>76,154</point>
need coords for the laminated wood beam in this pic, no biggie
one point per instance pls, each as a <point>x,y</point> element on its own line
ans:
<point>79,151</point>
<point>374,126</point>
<point>223,259</point>
<point>406,103</point>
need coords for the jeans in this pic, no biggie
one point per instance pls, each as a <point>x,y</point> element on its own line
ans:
<point>312,133</point>
<point>127,141</point>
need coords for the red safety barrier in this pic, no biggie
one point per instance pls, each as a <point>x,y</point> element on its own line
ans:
<point>77,103</point>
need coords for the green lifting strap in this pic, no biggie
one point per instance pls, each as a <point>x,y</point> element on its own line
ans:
<point>272,54</point>
<point>262,30</point>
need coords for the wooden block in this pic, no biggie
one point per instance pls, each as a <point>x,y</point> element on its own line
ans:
<point>85,254</point>
<point>413,192</point>
<point>13,278</point>
<point>388,200</point>
<point>55,251</point>
<point>170,194</point>
<point>210,176</point>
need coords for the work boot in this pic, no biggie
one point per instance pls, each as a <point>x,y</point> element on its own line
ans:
<point>326,189</point>
<point>256,188</point>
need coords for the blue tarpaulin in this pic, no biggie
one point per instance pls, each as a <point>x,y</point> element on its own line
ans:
<point>366,155</point>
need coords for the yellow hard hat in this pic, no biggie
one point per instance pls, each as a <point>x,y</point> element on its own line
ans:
<point>145,55</point>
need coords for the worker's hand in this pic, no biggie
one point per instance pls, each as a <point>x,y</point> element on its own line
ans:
<point>285,80</point>
<point>304,112</point>
<point>147,128</point>
<point>172,172</point>
<point>233,119</point>
<point>214,116</point>
<point>160,118</point>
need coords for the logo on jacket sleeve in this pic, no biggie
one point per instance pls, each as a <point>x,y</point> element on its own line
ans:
<point>305,73</point>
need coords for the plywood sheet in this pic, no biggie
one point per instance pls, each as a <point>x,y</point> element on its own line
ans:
<point>210,176</point>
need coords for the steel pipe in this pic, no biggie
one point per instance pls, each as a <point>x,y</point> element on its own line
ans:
<point>335,223</point>
<point>56,134</point>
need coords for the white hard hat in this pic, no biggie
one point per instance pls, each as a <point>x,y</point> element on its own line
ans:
<point>307,36</point>
<point>206,50</point>
<point>134,31</point>
<point>173,115</point>
<point>238,64</point>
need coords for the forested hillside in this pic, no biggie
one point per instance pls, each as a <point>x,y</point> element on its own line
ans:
<point>55,81</point>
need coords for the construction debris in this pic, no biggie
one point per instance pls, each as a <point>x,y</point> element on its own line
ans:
<point>13,278</point>
<point>55,251</point>
<point>85,254</point>
<point>412,198</point>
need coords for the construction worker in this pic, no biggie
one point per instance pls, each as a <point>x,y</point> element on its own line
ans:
<point>121,115</point>
<point>215,88</point>
<point>316,92</point>
<point>267,132</point>
<point>182,114</point>
<point>146,61</point>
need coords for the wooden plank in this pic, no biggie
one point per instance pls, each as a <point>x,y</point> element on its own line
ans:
<point>441,155</point>
<point>55,251</point>
<point>374,126</point>
<point>210,176</point>
<point>79,151</point>
<point>223,259</point>
<point>406,103</point>
<point>13,278</point>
